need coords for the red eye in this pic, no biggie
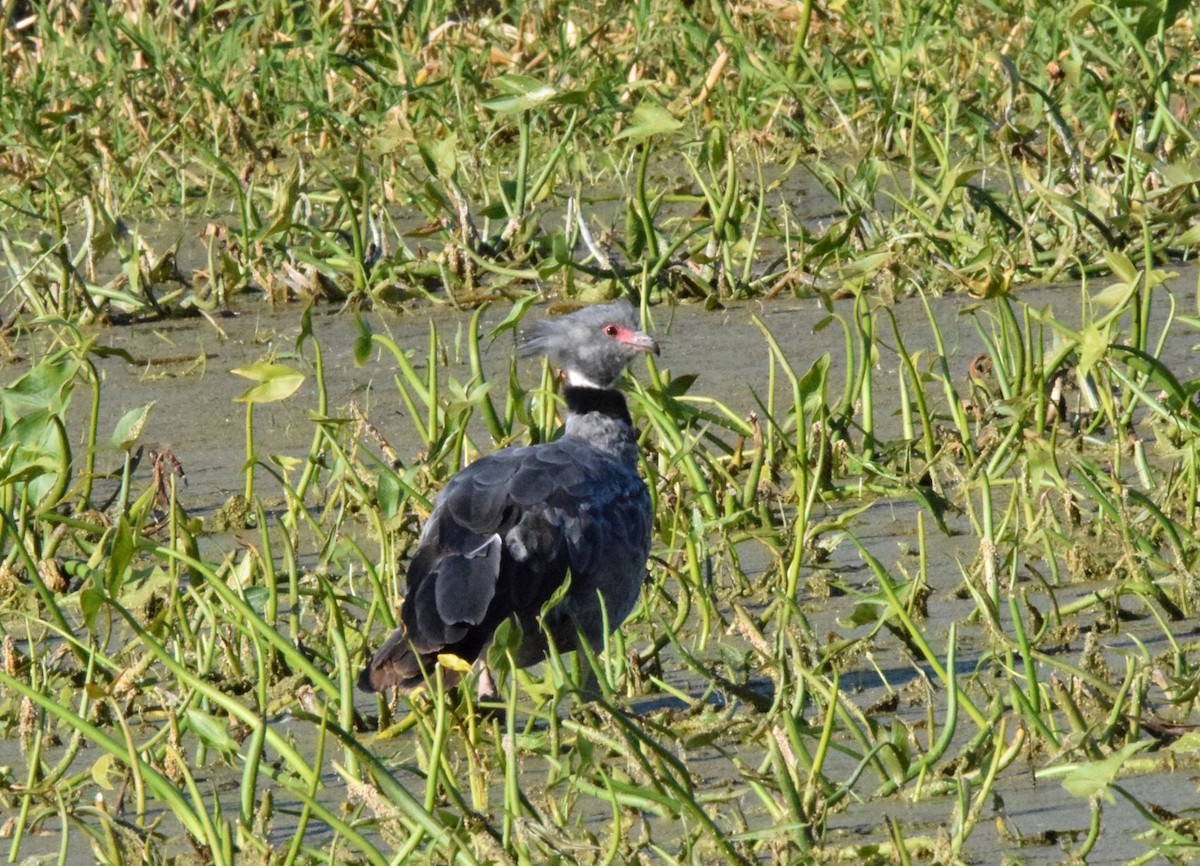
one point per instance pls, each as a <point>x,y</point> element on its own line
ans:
<point>611,330</point>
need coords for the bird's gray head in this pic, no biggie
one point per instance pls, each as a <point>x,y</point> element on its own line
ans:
<point>592,345</point>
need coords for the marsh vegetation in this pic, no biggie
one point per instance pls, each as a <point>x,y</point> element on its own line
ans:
<point>923,581</point>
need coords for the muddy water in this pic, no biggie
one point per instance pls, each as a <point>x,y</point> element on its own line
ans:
<point>184,368</point>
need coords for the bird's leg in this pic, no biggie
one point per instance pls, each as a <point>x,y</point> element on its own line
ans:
<point>485,689</point>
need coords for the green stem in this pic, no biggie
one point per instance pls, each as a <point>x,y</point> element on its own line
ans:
<point>248,469</point>
<point>802,25</point>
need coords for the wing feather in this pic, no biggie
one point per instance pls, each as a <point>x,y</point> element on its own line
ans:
<point>504,535</point>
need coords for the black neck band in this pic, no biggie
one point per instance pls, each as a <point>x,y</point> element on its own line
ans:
<point>603,401</point>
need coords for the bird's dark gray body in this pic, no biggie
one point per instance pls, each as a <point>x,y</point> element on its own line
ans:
<point>511,528</point>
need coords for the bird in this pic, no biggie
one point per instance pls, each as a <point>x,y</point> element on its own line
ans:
<point>512,528</point>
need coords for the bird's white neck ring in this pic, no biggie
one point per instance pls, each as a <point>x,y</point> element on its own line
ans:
<point>577,380</point>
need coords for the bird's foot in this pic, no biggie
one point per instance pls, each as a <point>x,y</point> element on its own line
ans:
<point>485,689</point>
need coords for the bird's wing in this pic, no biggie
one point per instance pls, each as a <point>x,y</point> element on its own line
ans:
<point>505,532</point>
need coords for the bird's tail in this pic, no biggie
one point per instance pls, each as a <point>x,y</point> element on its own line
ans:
<point>397,665</point>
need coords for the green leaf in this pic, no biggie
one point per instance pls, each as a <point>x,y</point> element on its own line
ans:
<point>680,385</point>
<point>1092,347</point>
<point>515,314</point>
<point>211,730</point>
<point>1189,238</point>
<point>1158,374</point>
<point>257,597</point>
<point>1092,780</point>
<point>388,492</point>
<point>139,590</point>
<point>441,157</point>
<point>812,386</point>
<point>46,386</point>
<point>1177,174</point>
<point>102,770</point>
<point>129,429</point>
<point>498,209</point>
<point>547,267</point>
<point>1158,16</point>
<point>120,557</point>
<point>90,602</point>
<point>390,136</point>
<point>1187,745</point>
<point>506,638</point>
<point>521,93</point>
<point>306,331</point>
<point>560,250</point>
<point>37,453</point>
<point>454,663</point>
<point>514,84</point>
<point>867,612</point>
<point>1120,265</point>
<point>649,119</point>
<point>275,382</point>
<point>363,342</point>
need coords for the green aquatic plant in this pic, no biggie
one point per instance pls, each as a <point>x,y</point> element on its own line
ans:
<point>932,137</point>
<point>203,660</point>
<point>844,605</point>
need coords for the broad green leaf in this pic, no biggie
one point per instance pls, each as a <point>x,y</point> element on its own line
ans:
<point>286,194</point>
<point>129,428</point>
<point>560,250</point>
<point>1177,174</point>
<point>1158,16</point>
<point>139,590</point>
<point>306,331</point>
<point>257,597</point>
<point>286,462</point>
<point>649,119</point>
<point>1092,780</point>
<point>1122,267</point>
<point>102,770</point>
<point>812,386</point>
<point>514,84</point>
<point>275,382</point>
<point>867,266</point>
<point>547,267</point>
<point>1159,375</point>
<point>37,453</point>
<point>1190,238</point>
<point>441,157</point>
<point>1043,465</point>
<point>507,637</point>
<point>390,136</point>
<point>680,385</point>
<point>520,93</point>
<point>1116,296</point>
<point>514,104</point>
<point>46,386</point>
<point>1092,347</point>
<point>1188,745</point>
